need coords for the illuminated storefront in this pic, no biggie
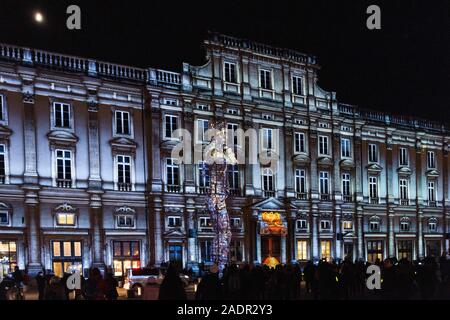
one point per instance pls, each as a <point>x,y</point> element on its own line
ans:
<point>126,255</point>
<point>66,257</point>
<point>8,256</point>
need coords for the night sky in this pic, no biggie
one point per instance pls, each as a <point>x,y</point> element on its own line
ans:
<point>403,68</point>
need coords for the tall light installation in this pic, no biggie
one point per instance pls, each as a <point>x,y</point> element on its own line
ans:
<point>218,156</point>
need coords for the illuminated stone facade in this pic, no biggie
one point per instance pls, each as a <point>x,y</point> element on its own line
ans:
<point>88,178</point>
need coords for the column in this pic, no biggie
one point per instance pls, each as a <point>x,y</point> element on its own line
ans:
<point>389,171</point>
<point>391,241</point>
<point>29,131</point>
<point>420,242</point>
<point>359,225</point>
<point>313,181</point>
<point>283,249</point>
<point>291,236</point>
<point>158,228</point>
<point>338,214</point>
<point>358,165</point>
<point>315,233</point>
<point>192,239</point>
<point>33,238</point>
<point>189,168</point>
<point>336,176</point>
<point>289,165</point>
<point>258,244</point>
<point>97,232</point>
<point>94,147</point>
<point>155,139</point>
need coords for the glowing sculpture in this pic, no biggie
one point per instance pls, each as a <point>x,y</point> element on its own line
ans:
<point>218,155</point>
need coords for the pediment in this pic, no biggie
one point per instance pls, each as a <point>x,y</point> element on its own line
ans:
<point>176,232</point>
<point>5,132</point>
<point>350,234</point>
<point>404,171</point>
<point>325,161</point>
<point>432,173</point>
<point>122,144</point>
<point>301,158</point>
<point>271,204</point>
<point>62,137</point>
<point>347,163</point>
<point>374,167</point>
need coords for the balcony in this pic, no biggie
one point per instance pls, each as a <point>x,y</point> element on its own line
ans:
<point>204,190</point>
<point>122,186</point>
<point>432,203</point>
<point>268,193</point>
<point>325,197</point>
<point>347,198</point>
<point>64,183</point>
<point>171,188</point>
<point>404,202</point>
<point>301,195</point>
<point>235,192</point>
<point>374,200</point>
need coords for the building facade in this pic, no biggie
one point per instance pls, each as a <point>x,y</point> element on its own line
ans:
<point>88,176</point>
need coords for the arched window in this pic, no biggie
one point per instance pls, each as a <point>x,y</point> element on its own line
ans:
<point>374,223</point>
<point>405,224</point>
<point>267,181</point>
<point>432,224</point>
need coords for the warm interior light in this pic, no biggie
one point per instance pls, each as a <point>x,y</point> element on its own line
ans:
<point>38,17</point>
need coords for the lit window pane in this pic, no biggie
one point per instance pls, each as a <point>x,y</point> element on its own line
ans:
<point>56,249</point>
<point>67,249</point>
<point>77,249</point>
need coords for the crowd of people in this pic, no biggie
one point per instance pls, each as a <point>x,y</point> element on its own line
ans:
<point>347,279</point>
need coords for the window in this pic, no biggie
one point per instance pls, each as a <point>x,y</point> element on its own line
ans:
<point>405,249</point>
<point>2,108</point>
<point>172,172</point>
<point>66,257</point>
<point>299,142</point>
<point>205,222</point>
<point>431,192</point>
<point>232,111</point>
<point>203,176</point>
<point>302,250</point>
<point>404,224</point>
<point>301,224</point>
<point>235,223</point>
<point>203,107</point>
<point>126,255</point>
<point>403,157</point>
<point>174,222</point>
<point>267,139</point>
<point>124,173</point>
<point>230,72</point>
<point>4,218</point>
<point>61,115</point>
<point>233,177</point>
<point>325,225</point>
<point>265,79</point>
<point>64,168</point>
<point>373,189</point>
<point>432,225</point>
<point>232,139</point>
<point>267,176</point>
<point>323,145</point>
<point>300,181</point>
<point>297,85</point>
<point>8,257</point>
<point>323,183</point>
<point>325,250</point>
<point>205,250</point>
<point>431,160</point>
<point>125,221</point>
<point>236,250</point>
<point>374,251</point>
<point>268,116</point>
<point>202,127</point>
<point>348,225</point>
<point>171,124</point>
<point>345,148</point>
<point>346,184</point>
<point>65,219</point>
<point>122,122</point>
<point>373,153</point>
<point>170,102</point>
<point>404,196</point>
<point>374,225</point>
<point>2,163</point>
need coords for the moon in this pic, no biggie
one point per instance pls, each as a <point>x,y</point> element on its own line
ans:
<point>38,17</point>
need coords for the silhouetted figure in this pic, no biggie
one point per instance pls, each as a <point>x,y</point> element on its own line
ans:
<point>41,284</point>
<point>172,287</point>
<point>111,287</point>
